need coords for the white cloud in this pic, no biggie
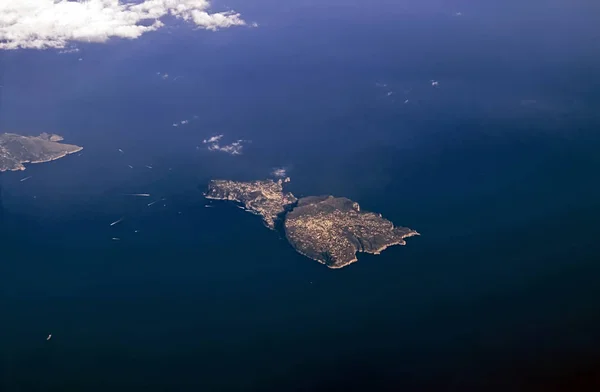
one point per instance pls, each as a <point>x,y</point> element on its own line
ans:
<point>43,24</point>
<point>234,148</point>
<point>212,139</point>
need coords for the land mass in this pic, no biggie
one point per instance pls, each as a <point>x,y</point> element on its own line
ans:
<point>16,150</point>
<point>328,229</point>
<point>331,230</point>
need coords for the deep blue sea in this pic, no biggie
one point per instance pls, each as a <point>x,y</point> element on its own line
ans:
<point>496,166</point>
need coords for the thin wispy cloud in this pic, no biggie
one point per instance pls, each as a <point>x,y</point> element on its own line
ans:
<point>44,24</point>
<point>184,122</point>
<point>69,50</point>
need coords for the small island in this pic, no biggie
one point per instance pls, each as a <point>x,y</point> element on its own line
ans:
<point>328,229</point>
<point>16,150</point>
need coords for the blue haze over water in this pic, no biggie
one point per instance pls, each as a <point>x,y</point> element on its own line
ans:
<point>497,168</point>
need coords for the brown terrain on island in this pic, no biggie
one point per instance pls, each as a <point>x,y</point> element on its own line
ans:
<point>17,150</point>
<point>331,230</point>
<point>328,229</point>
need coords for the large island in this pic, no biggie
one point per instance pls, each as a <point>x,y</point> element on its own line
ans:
<point>330,230</point>
<point>16,150</point>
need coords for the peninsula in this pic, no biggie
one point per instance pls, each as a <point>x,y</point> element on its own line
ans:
<point>328,229</point>
<point>16,150</point>
<point>265,198</point>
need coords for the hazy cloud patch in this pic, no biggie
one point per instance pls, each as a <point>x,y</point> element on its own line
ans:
<point>279,172</point>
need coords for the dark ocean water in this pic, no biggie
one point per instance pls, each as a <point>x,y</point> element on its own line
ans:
<point>497,168</point>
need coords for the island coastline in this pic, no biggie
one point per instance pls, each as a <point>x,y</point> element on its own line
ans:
<point>330,230</point>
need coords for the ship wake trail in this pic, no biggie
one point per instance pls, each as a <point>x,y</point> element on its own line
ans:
<point>117,222</point>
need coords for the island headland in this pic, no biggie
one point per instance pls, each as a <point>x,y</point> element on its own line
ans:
<point>328,229</point>
<point>17,150</point>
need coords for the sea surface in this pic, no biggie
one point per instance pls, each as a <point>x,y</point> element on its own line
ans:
<point>496,166</point>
